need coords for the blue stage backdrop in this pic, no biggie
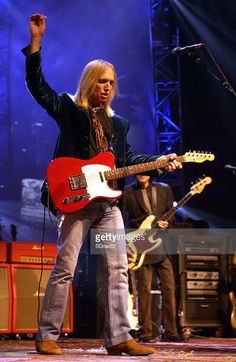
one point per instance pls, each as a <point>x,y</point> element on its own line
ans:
<point>77,32</point>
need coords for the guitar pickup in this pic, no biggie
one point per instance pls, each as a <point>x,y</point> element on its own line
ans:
<point>77,182</point>
<point>76,198</point>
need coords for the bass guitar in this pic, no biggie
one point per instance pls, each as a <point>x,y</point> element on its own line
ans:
<point>74,183</point>
<point>144,240</point>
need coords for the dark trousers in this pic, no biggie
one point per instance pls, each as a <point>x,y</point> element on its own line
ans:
<point>164,271</point>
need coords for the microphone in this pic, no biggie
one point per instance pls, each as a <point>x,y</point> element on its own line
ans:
<point>230,168</point>
<point>187,49</point>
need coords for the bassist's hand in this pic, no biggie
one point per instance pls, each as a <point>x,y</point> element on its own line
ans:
<point>163,224</point>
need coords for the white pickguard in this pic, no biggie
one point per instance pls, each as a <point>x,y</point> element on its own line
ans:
<point>145,225</point>
<point>95,186</point>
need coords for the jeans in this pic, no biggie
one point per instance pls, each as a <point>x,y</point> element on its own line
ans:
<point>102,216</point>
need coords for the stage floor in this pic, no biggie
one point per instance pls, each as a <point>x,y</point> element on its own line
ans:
<point>207,350</point>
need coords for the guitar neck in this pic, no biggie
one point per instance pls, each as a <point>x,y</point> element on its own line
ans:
<point>168,215</point>
<point>136,169</point>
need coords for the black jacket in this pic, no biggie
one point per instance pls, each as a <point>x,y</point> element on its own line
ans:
<point>74,122</point>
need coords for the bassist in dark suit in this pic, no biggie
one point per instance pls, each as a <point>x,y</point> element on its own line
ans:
<point>140,200</point>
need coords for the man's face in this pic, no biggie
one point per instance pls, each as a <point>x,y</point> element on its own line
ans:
<point>142,179</point>
<point>103,88</point>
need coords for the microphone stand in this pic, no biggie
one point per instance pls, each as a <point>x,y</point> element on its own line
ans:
<point>225,81</point>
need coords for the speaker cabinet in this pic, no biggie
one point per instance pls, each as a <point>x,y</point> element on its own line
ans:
<point>202,305</point>
<point>206,314</point>
<point>203,279</point>
<point>25,282</point>
<point>5,299</point>
<point>232,265</point>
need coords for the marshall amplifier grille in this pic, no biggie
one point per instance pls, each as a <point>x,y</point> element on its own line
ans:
<point>25,283</point>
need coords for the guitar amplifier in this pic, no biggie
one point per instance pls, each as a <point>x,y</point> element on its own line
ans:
<point>203,314</point>
<point>203,277</point>
<point>27,298</point>
<point>5,298</point>
<point>3,251</point>
<point>32,252</point>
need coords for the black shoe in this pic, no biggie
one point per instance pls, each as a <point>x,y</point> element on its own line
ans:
<point>173,338</point>
<point>133,333</point>
<point>148,339</point>
<point>145,339</point>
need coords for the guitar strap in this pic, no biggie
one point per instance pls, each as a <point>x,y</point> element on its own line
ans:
<point>151,207</point>
<point>146,201</point>
<point>154,199</point>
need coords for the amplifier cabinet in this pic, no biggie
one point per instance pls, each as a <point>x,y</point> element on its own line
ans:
<point>201,302</point>
<point>232,265</point>
<point>3,251</point>
<point>203,282</point>
<point>25,284</point>
<point>5,299</point>
<point>207,314</point>
<point>32,252</point>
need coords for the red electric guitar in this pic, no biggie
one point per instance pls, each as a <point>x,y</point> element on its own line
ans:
<point>74,183</point>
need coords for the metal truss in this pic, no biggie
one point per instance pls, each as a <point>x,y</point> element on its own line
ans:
<point>167,95</point>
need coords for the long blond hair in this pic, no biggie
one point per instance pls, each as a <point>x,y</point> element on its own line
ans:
<point>88,80</point>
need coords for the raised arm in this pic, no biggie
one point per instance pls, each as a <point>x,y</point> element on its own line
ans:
<point>37,26</point>
<point>36,83</point>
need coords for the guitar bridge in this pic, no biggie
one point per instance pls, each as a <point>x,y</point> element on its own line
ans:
<point>77,182</point>
<point>76,198</point>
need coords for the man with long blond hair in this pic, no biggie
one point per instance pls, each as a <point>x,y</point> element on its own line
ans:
<point>87,84</point>
<point>87,127</point>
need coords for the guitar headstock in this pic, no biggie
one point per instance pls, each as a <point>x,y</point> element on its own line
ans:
<point>198,156</point>
<point>198,187</point>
